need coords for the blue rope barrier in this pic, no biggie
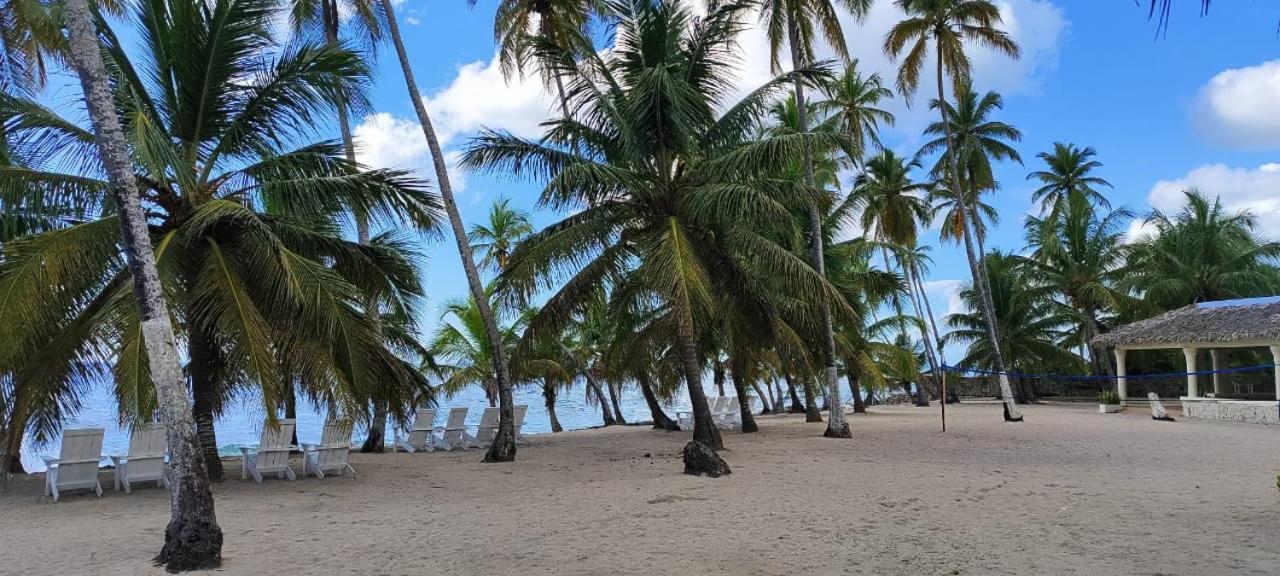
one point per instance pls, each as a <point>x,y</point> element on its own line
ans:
<point>979,372</point>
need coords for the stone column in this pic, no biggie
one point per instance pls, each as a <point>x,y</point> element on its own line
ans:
<point>1219,358</point>
<point>1122,383</point>
<point>1193,386</point>
<point>1275,359</point>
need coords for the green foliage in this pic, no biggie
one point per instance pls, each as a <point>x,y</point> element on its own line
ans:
<point>1108,396</point>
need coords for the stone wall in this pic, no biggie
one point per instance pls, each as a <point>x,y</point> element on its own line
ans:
<point>1252,412</point>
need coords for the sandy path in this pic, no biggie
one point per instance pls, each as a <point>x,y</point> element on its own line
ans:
<point>1068,492</point>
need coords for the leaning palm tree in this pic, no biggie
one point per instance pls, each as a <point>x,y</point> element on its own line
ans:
<point>499,236</point>
<point>503,448</point>
<point>947,25</point>
<point>530,32</point>
<point>462,351</point>
<point>801,21</point>
<point>1070,173</point>
<point>676,203</point>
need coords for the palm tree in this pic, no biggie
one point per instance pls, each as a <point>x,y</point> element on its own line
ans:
<point>1069,174</point>
<point>979,141</point>
<point>677,203</point>
<point>1077,255</point>
<point>543,32</point>
<point>947,208</point>
<point>462,351</point>
<point>1201,253</point>
<point>503,448</point>
<point>801,21</point>
<point>247,230</point>
<point>853,105</point>
<point>1033,323</point>
<point>949,24</point>
<point>892,207</point>
<point>495,239</point>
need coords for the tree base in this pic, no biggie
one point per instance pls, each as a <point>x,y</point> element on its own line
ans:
<point>810,417</point>
<point>844,432</point>
<point>499,453</point>
<point>1165,418</point>
<point>1010,417</point>
<point>796,409</point>
<point>749,426</point>
<point>701,460</point>
<point>193,543</point>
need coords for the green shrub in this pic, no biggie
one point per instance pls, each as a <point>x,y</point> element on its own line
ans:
<point>1108,397</point>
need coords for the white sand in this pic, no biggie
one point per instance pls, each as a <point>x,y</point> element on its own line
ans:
<point>1068,492</point>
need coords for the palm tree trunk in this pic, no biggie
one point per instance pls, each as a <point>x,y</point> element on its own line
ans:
<point>549,400</point>
<point>204,396</point>
<point>946,395</point>
<point>717,375</point>
<point>1011,413</point>
<point>704,430</point>
<point>859,405</point>
<point>917,294</point>
<point>614,392</point>
<point>766,407</point>
<point>11,439</point>
<point>660,418</point>
<point>744,403</point>
<point>797,407</point>
<point>193,539</point>
<point>778,396</point>
<point>503,448</point>
<point>836,426</point>
<point>605,413</point>
<point>811,412</point>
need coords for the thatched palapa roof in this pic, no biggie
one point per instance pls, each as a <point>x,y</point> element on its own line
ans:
<point>1220,322</point>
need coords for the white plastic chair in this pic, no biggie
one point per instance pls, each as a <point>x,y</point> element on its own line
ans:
<point>487,429</point>
<point>420,436</point>
<point>148,445</point>
<point>332,453</point>
<point>76,466</point>
<point>453,434</point>
<point>729,414</point>
<point>685,417</point>
<point>271,455</point>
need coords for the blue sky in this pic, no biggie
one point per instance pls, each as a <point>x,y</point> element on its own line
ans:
<point>1196,106</point>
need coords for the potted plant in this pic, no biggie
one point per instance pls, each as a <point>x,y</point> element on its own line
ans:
<point>1108,402</point>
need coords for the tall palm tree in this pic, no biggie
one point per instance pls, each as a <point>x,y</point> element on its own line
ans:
<point>948,24</point>
<point>193,539</point>
<point>542,32</point>
<point>677,203</point>
<point>499,236</point>
<point>979,140</point>
<point>893,206</point>
<point>503,448</point>
<point>1201,253</point>
<point>801,21</point>
<point>853,104</point>
<point>462,351</point>
<point>1070,174</point>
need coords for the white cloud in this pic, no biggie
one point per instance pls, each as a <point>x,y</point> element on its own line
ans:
<point>385,141</point>
<point>1256,190</point>
<point>1139,229</point>
<point>479,97</point>
<point>1238,106</point>
<point>950,289</point>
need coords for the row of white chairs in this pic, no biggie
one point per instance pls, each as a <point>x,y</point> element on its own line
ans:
<point>725,413</point>
<point>77,465</point>
<point>424,436</point>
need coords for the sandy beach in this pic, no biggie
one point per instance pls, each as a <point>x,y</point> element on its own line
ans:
<point>1067,492</point>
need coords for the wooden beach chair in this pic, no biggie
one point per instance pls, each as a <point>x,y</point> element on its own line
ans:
<point>271,455</point>
<point>76,467</point>
<point>486,430</point>
<point>452,434</point>
<point>420,435</point>
<point>148,446</point>
<point>332,453</point>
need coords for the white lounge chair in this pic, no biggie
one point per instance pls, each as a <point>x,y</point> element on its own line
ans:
<point>729,415</point>
<point>148,446</point>
<point>520,411</point>
<point>332,453</point>
<point>487,429</point>
<point>420,436</point>
<point>76,466</point>
<point>271,455</point>
<point>452,434</point>
<point>685,417</point>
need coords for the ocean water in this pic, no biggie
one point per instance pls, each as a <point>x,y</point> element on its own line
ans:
<point>242,423</point>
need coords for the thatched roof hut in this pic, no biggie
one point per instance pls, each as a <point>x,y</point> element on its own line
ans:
<point>1224,323</point>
